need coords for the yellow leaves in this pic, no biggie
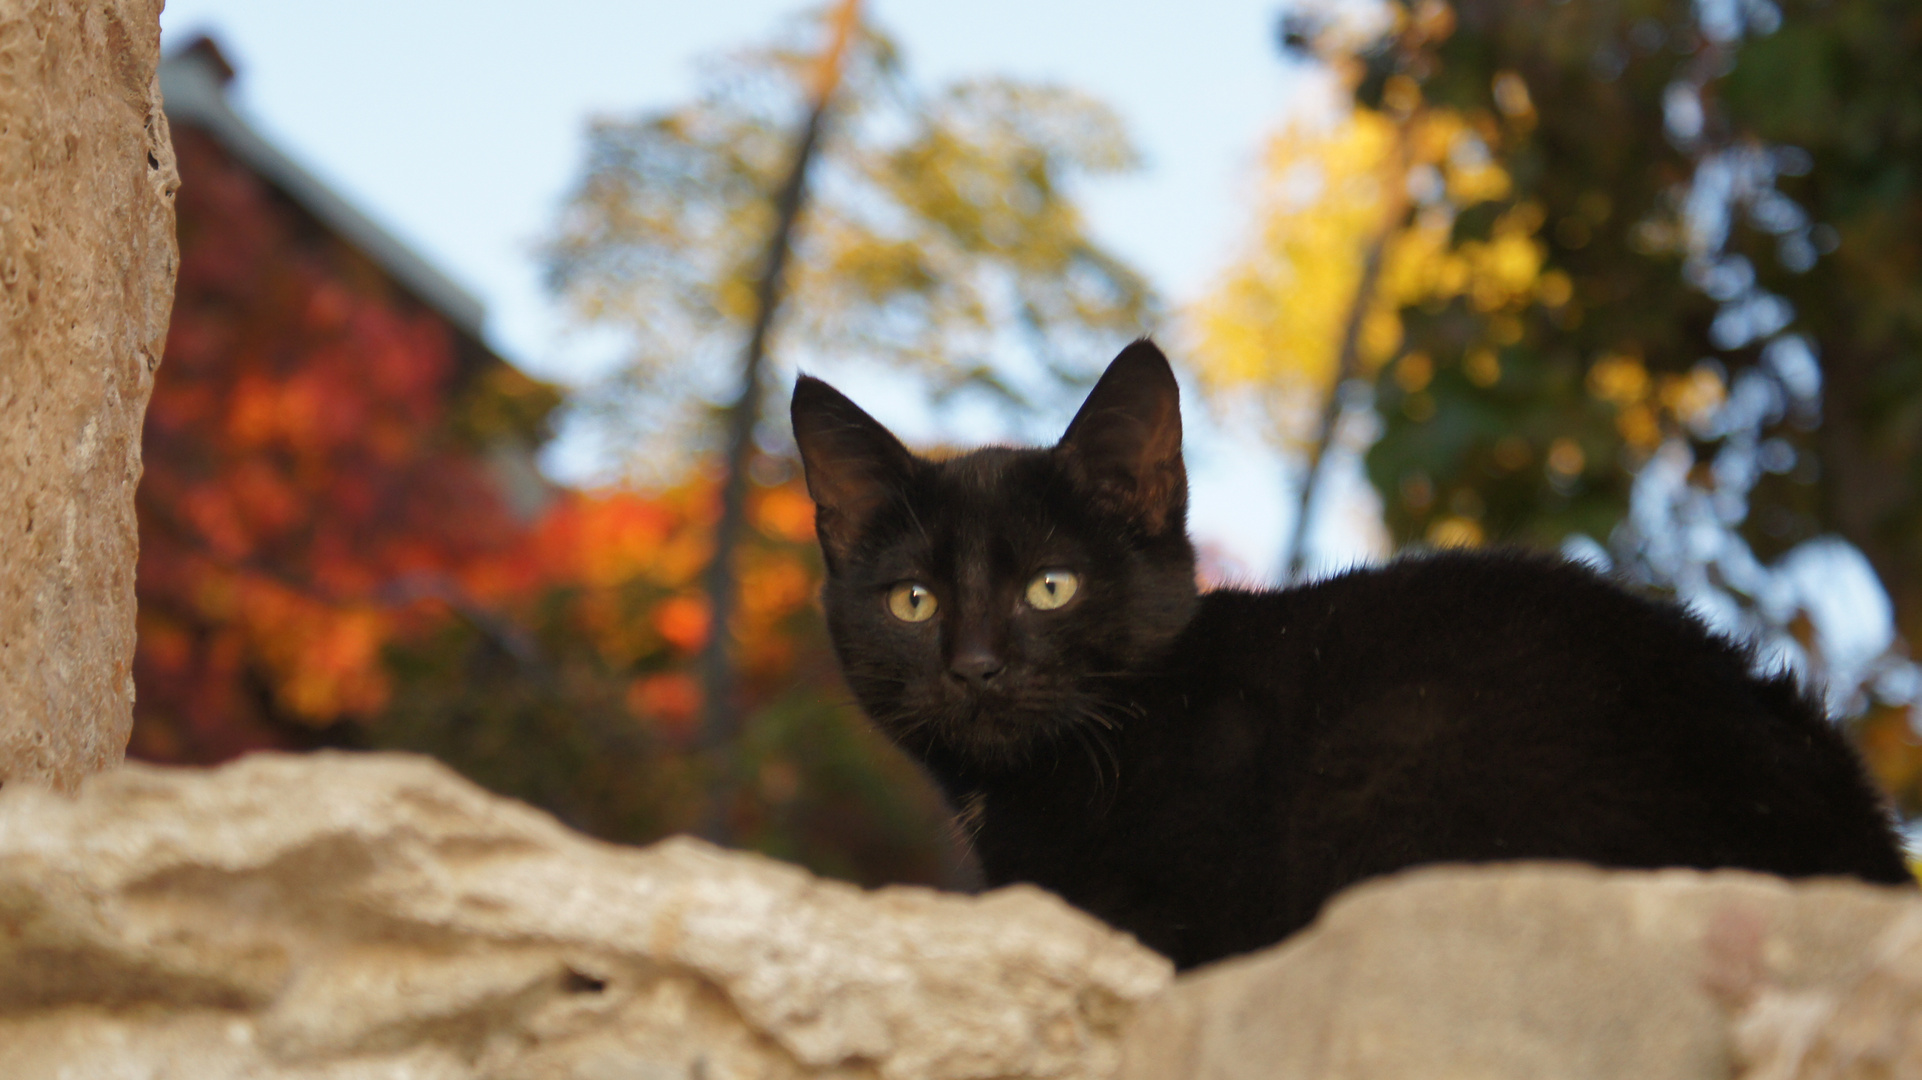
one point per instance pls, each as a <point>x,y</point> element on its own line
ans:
<point>1501,273</point>
<point>735,299</point>
<point>1619,380</point>
<point>1566,459</point>
<point>1512,453</point>
<point>1381,334</point>
<point>1478,182</point>
<point>1511,262</point>
<point>1454,531</point>
<point>1482,367</point>
<point>1638,427</point>
<point>1418,263</point>
<point>1694,397</point>
<point>936,220</point>
<point>1512,98</point>
<point>1641,399</point>
<point>1556,289</point>
<point>1401,95</point>
<point>1280,314</point>
<point>1414,371</point>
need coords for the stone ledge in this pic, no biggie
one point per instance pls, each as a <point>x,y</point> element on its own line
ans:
<point>1543,970</point>
<point>300,916</point>
<point>377,917</point>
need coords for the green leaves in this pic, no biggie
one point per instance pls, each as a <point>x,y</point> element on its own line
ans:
<point>1731,378</point>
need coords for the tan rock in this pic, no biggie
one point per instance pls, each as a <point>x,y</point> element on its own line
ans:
<point>376,916</point>
<point>1865,1028</point>
<point>1525,972</point>
<point>87,260</point>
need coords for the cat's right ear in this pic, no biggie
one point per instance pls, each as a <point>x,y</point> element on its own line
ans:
<point>853,464</point>
<point>1125,443</point>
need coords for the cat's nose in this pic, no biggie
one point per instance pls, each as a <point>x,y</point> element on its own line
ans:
<point>977,666</point>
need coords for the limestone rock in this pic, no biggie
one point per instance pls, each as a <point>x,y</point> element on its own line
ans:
<point>87,260</point>
<point>1546,970</point>
<point>1868,1027</point>
<point>374,916</point>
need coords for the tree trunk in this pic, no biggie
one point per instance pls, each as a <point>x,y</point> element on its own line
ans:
<point>720,716</point>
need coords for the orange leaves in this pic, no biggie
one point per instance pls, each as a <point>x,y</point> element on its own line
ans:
<point>671,699</point>
<point>632,564</point>
<point>786,513</point>
<point>296,473</point>
<point>682,621</point>
<point>601,541</point>
<point>1647,405</point>
<point>316,508</point>
<point>773,587</point>
<point>323,659</point>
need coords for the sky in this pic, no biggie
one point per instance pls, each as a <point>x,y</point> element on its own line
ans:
<point>459,127</point>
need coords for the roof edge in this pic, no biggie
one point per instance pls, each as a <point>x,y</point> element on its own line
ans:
<point>192,86</point>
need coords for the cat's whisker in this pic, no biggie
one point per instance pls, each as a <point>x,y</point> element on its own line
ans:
<point>1089,728</point>
<point>1100,775</point>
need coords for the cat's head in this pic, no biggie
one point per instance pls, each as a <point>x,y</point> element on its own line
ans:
<point>980,605</point>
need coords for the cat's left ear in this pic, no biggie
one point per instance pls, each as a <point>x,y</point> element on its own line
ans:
<point>1125,443</point>
<point>853,464</point>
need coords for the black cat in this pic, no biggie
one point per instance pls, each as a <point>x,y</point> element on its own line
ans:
<point>1205,771</point>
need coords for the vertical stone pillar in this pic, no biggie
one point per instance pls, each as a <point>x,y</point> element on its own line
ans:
<point>87,261</point>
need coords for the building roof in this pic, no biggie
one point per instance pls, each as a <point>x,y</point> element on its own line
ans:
<point>193,82</point>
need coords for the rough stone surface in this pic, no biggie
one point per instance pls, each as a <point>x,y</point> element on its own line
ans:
<point>1865,1028</point>
<point>1563,971</point>
<point>87,260</point>
<point>376,917</point>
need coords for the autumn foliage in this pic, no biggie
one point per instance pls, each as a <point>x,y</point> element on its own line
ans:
<point>329,559</point>
<point>298,475</point>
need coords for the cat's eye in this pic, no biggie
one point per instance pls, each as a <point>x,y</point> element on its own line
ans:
<point>911,602</point>
<point>1051,589</point>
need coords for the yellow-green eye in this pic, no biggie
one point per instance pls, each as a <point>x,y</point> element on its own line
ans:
<point>1052,588</point>
<point>911,602</point>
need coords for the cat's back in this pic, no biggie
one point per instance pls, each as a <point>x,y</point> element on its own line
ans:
<point>1446,615</point>
<point>1481,706</point>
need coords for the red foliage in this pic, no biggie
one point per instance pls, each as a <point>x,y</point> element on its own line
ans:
<point>300,479</point>
<point>327,558</point>
<point>305,505</point>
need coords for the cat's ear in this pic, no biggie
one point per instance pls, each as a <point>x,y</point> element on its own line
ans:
<point>1125,443</point>
<point>853,464</point>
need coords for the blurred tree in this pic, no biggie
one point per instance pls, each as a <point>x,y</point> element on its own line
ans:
<point>1715,368</point>
<point>1316,300</point>
<point>589,705</point>
<point>328,560</point>
<point>940,239</point>
<point>311,460</point>
<point>720,707</point>
<point>1834,91</point>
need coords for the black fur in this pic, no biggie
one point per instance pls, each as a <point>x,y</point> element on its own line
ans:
<point>1206,771</point>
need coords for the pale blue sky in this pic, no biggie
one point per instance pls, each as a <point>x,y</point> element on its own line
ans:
<point>459,127</point>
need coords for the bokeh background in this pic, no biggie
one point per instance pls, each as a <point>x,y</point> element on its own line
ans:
<point>437,453</point>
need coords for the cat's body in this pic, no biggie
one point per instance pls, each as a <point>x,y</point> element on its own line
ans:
<point>1205,771</point>
<point>1456,708</point>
